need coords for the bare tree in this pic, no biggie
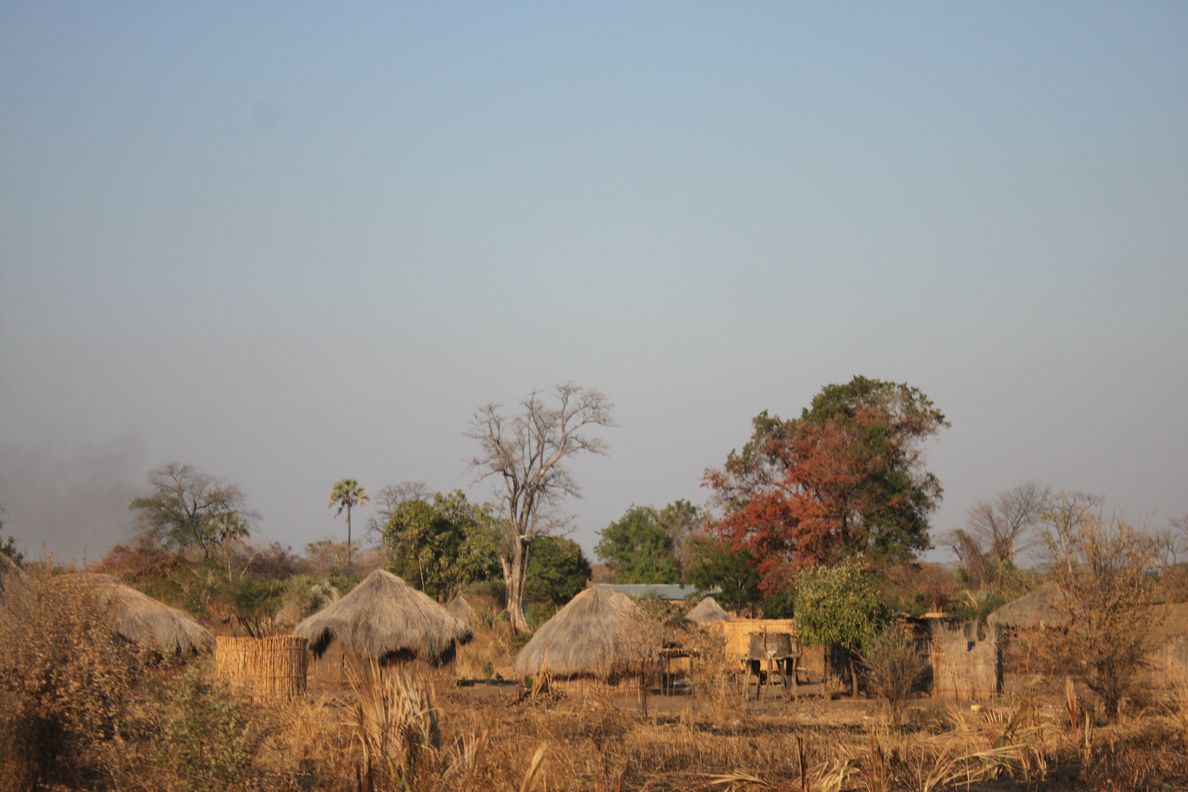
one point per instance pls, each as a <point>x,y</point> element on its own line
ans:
<point>997,530</point>
<point>1102,567</point>
<point>526,453</point>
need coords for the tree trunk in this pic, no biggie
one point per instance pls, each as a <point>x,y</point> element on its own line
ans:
<point>853,678</point>
<point>513,577</point>
<point>348,563</point>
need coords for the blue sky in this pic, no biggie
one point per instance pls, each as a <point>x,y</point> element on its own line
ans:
<point>292,243</point>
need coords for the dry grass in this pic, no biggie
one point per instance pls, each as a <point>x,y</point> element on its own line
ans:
<point>412,728</point>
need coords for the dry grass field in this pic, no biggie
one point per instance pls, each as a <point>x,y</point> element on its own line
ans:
<point>124,722</point>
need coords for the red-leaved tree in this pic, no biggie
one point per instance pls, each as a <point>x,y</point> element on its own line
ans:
<point>847,476</point>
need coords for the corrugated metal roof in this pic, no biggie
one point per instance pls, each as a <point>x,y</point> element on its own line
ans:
<point>664,591</point>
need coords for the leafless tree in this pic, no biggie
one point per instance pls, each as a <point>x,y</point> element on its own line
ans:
<point>526,454</point>
<point>997,530</point>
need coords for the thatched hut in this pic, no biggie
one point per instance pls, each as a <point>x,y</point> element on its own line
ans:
<point>1041,608</point>
<point>707,610</point>
<point>388,620</point>
<point>1023,629</point>
<point>461,608</point>
<point>143,621</point>
<point>590,636</point>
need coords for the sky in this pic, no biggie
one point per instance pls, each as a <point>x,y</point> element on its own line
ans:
<point>292,243</point>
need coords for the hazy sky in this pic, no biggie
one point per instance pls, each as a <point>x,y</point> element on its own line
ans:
<point>290,243</point>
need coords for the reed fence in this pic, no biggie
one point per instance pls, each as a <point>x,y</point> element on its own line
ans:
<point>268,669</point>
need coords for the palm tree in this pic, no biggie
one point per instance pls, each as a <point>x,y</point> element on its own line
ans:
<point>347,494</point>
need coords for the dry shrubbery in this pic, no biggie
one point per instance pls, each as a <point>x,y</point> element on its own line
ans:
<point>65,678</point>
<point>1102,567</point>
<point>893,667</point>
<point>81,710</point>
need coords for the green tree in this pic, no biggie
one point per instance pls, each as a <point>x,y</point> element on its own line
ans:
<point>846,477</point>
<point>347,494</point>
<point>557,570</point>
<point>442,545</point>
<point>839,605</point>
<point>189,508</point>
<point>713,565</point>
<point>638,549</point>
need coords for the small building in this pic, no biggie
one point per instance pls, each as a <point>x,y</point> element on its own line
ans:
<point>384,619</point>
<point>589,637</point>
<point>708,610</point>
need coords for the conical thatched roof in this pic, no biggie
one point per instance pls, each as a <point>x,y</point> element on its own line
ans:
<point>707,610</point>
<point>586,637</point>
<point>385,618</point>
<point>145,622</point>
<point>1040,607</point>
<point>461,608</point>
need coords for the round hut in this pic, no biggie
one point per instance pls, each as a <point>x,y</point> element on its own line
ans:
<point>708,610</point>
<point>143,621</point>
<point>1022,628</point>
<point>385,619</point>
<point>590,636</point>
<point>461,608</point>
<point>1040,609</point>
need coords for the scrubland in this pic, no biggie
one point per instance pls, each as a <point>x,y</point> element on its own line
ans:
<point>81,711</point>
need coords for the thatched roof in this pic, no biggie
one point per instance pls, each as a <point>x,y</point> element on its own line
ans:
<point>1041,607</point>
<point>9,572</point>
<point>385,618</point>
<point>461,608</point>
<point>145,622</point>
<point>296,606</point>
<point>586,637</point>
<point>707,610</point>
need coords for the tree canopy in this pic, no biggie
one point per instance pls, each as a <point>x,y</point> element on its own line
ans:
<point>441,545</point>
<point>638,548</point>
<point>188,508</point>
<point>838,605</point>
<point>848,476</point>
<point>557,570</point>
<point>713,565</point>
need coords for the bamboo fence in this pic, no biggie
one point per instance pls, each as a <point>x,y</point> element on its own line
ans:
<point>268,669</point>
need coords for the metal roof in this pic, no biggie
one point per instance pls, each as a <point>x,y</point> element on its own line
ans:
<point>664,591</point>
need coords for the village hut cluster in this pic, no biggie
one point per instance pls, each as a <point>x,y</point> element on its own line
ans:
<point>603,634</point>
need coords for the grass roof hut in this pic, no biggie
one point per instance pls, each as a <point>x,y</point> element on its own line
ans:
<point>707,610</point>
<point>386,619</point>
<point>1041,608</point>
<point>590,636</point>
<point>461,608</point>
<point>143,621</point>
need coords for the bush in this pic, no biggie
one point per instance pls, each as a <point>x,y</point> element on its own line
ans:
<point>65,677</point>
<point>208,740</point>
<point>893,666</point>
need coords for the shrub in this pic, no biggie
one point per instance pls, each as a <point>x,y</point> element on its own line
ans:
<point>208,740</point>
<point>893,666</point>
<point>65,676</point>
